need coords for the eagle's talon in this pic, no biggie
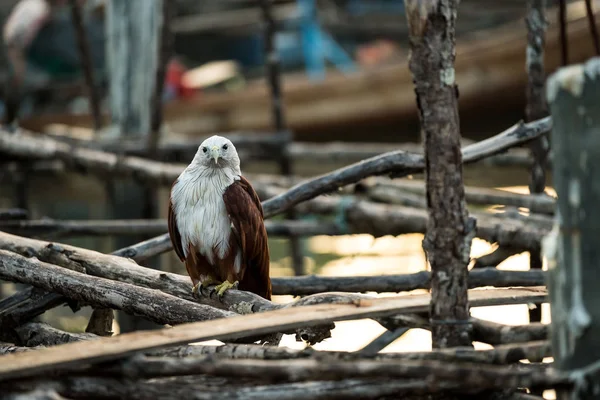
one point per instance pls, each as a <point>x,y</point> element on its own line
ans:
<point>223,287</point>
<point>196,291</point>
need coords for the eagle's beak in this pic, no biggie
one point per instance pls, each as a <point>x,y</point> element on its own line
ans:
<point>214,153</point>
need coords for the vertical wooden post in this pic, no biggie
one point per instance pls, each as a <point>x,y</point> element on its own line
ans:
<point>132,39</point>
<point>86,62</point>
<point>572,246</point>
<point>536,109</point>
<point>450,230</point>
<point>274,78</point>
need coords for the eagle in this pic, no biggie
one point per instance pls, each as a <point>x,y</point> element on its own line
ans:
<point>216,223</point>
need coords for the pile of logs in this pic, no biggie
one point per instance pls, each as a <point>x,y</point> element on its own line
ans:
<point>42,362</point>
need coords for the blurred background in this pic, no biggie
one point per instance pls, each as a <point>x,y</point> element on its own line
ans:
<point>344,78</point>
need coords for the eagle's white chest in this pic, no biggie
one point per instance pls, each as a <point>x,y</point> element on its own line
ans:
<point>201,215</point>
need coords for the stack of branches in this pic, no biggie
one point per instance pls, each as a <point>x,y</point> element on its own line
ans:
<point>146,364</point>
<point>358,198</point>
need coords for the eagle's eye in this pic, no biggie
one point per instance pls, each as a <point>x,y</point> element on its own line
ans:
<point>204,149</point>
<point>225,147</point>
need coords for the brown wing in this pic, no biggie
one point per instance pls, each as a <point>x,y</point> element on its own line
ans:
<point>174,233</point>
<point>246,214</point>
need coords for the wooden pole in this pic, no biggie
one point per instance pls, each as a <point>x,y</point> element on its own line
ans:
<point>536,108</point>
<point>132,32</point>
<point>274,78</point>
<point>450,230</point>
<point>572,246</point>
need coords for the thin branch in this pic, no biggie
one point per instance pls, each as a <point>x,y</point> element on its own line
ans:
<point>398,163</point>
<point>50,228</point>
<point>499,255</point>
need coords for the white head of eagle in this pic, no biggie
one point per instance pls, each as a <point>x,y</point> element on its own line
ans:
<point>216,221</point>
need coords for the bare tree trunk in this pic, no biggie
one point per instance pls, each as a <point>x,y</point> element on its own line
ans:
<point>449,228</point>
<point>536,108</point>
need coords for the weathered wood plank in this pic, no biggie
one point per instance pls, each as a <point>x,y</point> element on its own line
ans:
<point>572,246</point>
<point>110,348</point>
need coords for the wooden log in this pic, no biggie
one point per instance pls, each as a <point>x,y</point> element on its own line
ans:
<point>51,228</point>
<point>473,377</point>
<point>111,348</point>
<point>483,331</point>
<point>450,229</point>
<point>208,388</point>
<point>37,334</point>
<point>40,334</point>
<point>571,247</point>
<point>398,164</point>
<point>31,302</point>
<point>311,284</point>
<point>6,348</point>
<point>25,145</point>
<point>536,108</point>
<point>493,259</point>
<point>13,214</point>
<point>254,146</point>
<point>494,333</point>
<point>121,269</point>
<point>36,394</point>
<point>501,354</point>
<point>154,305</point>
<point>535,203</point>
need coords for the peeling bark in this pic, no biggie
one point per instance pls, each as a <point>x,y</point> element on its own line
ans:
<point>449,228</point>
